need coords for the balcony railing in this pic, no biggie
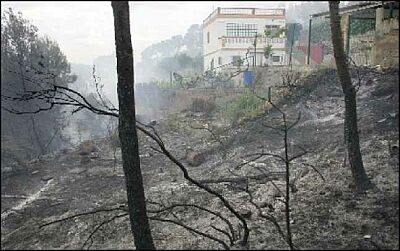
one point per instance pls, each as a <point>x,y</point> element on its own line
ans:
<point>245,42</point>
<point>236,11</point>
<point>244,11</point>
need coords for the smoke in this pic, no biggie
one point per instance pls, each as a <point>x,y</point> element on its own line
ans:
<point>150,101</point>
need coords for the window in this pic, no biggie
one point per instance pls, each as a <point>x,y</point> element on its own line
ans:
<point>272,27</point>
<point>208,37</point>
<point>220,60</point>
<point>212,64</point>
<point>276,59</point>
<point>241,30</point>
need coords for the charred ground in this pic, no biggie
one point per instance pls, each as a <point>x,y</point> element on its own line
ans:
<point>326,214</point>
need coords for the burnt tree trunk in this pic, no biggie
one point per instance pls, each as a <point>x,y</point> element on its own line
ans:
<point>127,128</point>
<point>351,131</point>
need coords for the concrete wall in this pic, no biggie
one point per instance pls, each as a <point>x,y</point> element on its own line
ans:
<point>272,75</point>
<point>182,99</point>
<point>386,48</point>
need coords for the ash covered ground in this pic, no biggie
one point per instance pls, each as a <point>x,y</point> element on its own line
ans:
<point>326,213</point>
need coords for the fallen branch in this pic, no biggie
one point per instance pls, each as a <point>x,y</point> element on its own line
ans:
<point>84,214</point>
<point>100,226</point>
<point>209,236</point>
<point>267,177</point>
<point>168,208</point>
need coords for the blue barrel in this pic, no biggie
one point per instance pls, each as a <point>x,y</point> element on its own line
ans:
<point>248,77</point>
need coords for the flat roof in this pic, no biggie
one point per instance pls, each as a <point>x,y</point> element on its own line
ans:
<point>245,12</point>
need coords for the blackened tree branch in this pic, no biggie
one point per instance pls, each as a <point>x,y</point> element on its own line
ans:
<point>179,223</point>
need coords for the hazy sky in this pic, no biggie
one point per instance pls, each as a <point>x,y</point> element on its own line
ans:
<point>84,30</point>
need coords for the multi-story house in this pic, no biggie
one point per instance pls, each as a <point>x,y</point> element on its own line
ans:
<point>231,34</point>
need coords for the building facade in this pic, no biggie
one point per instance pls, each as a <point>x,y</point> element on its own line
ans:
<point>370,34</point>
<point>234,34</point>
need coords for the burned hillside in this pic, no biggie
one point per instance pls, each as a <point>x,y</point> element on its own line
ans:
<point>325,211</point>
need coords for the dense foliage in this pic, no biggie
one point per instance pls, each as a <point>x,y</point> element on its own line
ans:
<point>30,62</point>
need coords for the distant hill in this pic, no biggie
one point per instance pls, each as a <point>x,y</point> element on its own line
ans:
<point>178,53</point>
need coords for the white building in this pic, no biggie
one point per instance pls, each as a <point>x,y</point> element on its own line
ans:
<point>229,33</point>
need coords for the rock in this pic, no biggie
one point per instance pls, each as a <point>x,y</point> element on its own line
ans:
<point>194,158</point>
<point>87,147</point>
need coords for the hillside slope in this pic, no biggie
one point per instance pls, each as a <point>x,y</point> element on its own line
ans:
<point>326,213</point>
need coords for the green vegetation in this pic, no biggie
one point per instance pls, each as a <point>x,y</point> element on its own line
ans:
<point>267,51</point>
<point>274,33</point>
<point>244,106</point>
<point>321,31</point>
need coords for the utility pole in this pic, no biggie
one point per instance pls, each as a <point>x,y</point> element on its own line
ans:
<point>291,46</point>
<point>170,79</point>
<point>255,51</point>
<point>309,42</point>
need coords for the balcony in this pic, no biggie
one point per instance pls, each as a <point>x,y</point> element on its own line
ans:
<point>246,42</point>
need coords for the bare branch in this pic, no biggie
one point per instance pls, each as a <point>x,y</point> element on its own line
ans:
<point>223,232</point>
<point>266,154</point>
<point>191,230</point>
<point>196,183</point>
<point>168,208</point>
<point>84,214</point>
<point>315,169</point>
<point>296,121</point>
<point>210,131</point>
<point>101,225</point>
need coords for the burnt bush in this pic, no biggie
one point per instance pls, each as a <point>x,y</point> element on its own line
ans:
<point>202,105</point>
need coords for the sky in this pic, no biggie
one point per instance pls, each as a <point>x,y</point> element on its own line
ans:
<point>84,29</point>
